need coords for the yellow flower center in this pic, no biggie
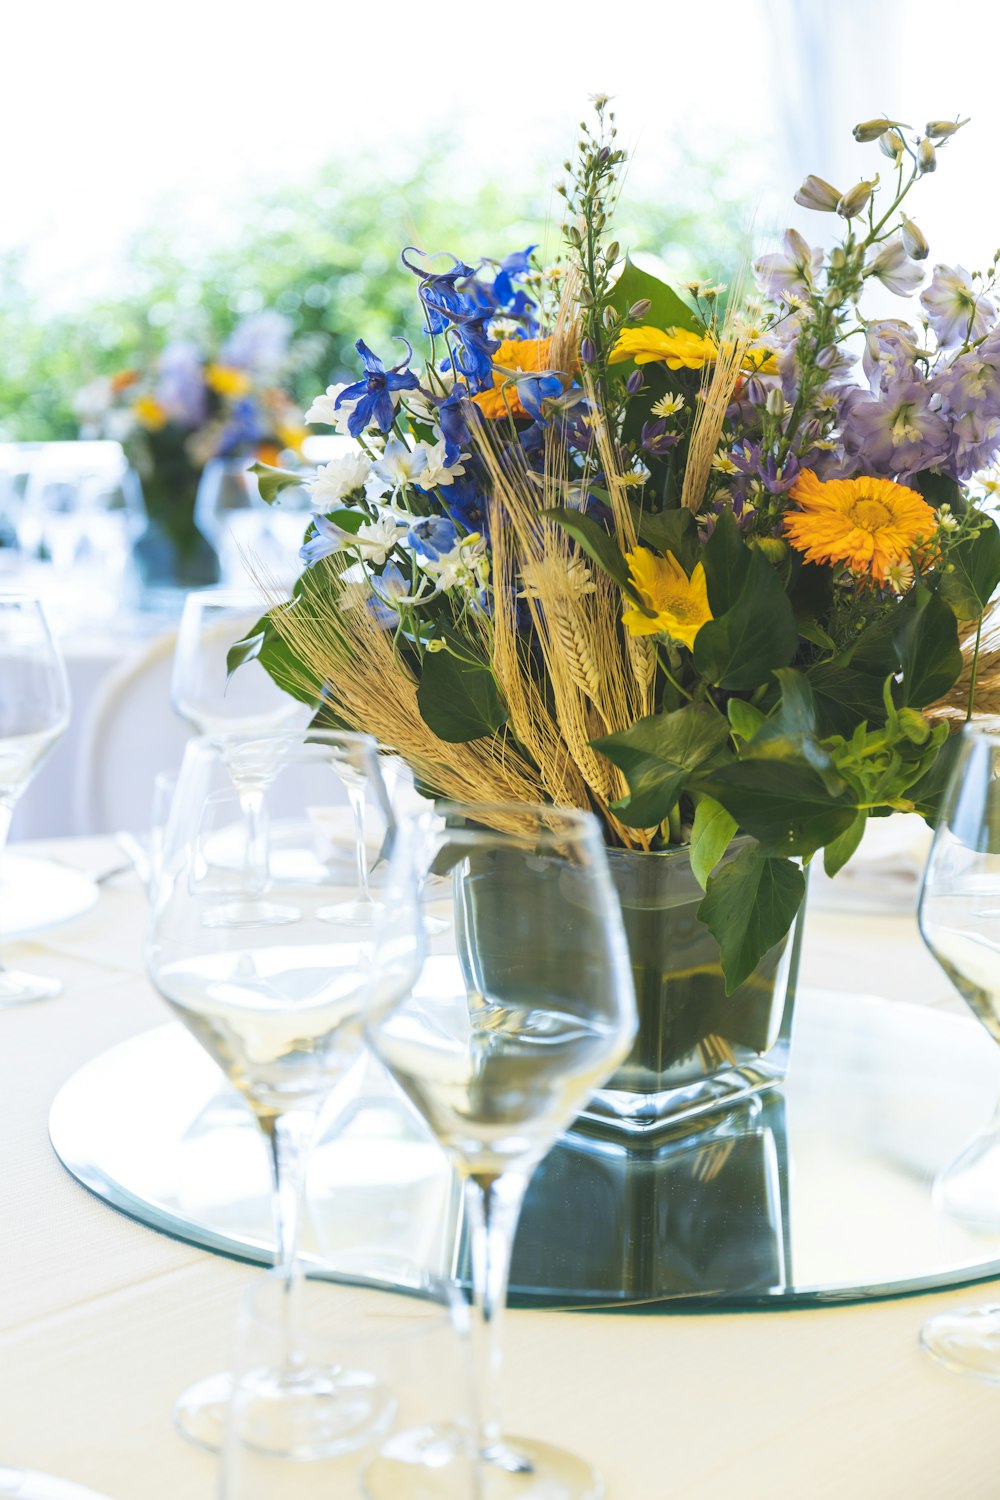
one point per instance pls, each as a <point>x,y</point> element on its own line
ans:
<point>870,515</point>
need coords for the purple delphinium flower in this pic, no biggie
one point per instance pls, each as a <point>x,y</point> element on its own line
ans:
<point>656,440</point>
<point>180,386</point>
<point>242,431</point>
<point>897,432</point>
<point>373,396</point>
<point>258,343</point>
<point>955,311</point>
<point>976,442</point>
<point>749,459</point>
<point>889,357</point>
<point>433,536</point>
<point>790,271</point>
<point>891,265</point>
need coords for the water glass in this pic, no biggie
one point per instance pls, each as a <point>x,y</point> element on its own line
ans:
<point>393,1357</point>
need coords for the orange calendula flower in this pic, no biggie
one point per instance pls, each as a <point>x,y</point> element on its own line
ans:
<point>123,379</point>
<point>523,355</point>
<point>226,381</point>
<point>679,604</point>
<point>149,413</point>
<point>679,348</point>
<point>870,525</point>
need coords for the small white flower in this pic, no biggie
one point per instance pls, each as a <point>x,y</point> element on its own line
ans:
<point>465,567</point>
<point>723,464</point>
<point>376,539</point>
<point>324,411</point>
<point>899,575</point>
<point>893,267</point>
<point>667,406</point>
<point>435,471</point>
<point>946,521</point>
<point>338,479</point>
<point>953,308</point>
<point>504,328</point>
<point>398,467</point>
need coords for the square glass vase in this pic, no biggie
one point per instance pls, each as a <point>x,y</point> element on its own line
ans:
<point>697,1049</point>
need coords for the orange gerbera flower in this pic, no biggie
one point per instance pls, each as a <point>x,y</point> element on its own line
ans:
<point>870,525</point>
<point>523,355</point>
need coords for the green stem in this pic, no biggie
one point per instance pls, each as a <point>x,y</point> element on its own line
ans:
<point>975,668</point>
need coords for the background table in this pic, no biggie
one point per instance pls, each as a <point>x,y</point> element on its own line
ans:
<point>103,1322</point>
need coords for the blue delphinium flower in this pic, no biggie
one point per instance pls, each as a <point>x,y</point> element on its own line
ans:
<point>474,357</point>
<point>534,388</point>
<point>454,414</point>
<point>466,503</point>
<point>518,263</point>
<point>387,587</point>
<point>242,431</point>
<point>433,536</point>
<point>439,291</point>
<point>374,394</point>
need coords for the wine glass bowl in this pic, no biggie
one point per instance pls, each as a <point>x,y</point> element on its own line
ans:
<point>959,916</point>
<point>278,1006</point>
<point>34,713</point>
<point>523,1006</point>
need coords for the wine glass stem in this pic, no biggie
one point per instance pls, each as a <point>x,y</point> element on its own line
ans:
<point>6,813</point>
<point>493,1203</point>
<point>289,1136</point>
<point>255,868</point>
<point>356,797</point>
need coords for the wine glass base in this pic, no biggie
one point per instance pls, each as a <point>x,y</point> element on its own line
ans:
<point>968,1190</point>
<point>966,1341</point>
<point>299,1414</point>
<point>18,988</point>
<point>250,913</point>
<point>361,913</point>
<point>431,1464</point>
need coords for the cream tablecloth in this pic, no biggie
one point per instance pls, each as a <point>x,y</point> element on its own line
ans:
<point>102,1321</point>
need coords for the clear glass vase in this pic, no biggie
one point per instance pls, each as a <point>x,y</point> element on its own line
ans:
<point>697,1048</point>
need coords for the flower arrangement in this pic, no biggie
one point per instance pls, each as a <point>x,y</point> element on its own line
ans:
<point>190,407</point>
<point>707,563</point>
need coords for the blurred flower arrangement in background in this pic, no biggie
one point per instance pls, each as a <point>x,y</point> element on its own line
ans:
<point>674,559</point>
<point>189,408</point>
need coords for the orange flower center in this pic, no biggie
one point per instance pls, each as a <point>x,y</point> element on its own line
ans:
<point>869,514</point>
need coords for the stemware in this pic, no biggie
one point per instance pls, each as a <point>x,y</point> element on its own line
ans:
<point>276,1006</point>
<point>519,1013</point>
<point>34,712</point>
<point>241,713</point>
<point>959,915</point>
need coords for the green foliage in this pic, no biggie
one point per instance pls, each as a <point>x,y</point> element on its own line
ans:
<point>711,835</point>
<point>973,570</point>
<point>926,640</point>
<point>658,755</point>
<point>741,647</point>
<point>748,907</point>
<point>666,310</point>
<point>599,547</point>
<point>458,696</point>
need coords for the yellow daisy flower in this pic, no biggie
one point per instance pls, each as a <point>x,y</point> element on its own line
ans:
<point>679,603</point>
<point>678,348</point>
<point>870,525</point>
<point>149,413</point>
<point>226,381</point>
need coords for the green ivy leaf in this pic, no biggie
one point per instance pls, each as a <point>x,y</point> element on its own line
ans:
<point>666,310</point>
<point>838,852</point>
<point>748,908</point>
<point>787,806</point>
<point>658,755</point>
<point>673,531</point>
<point>711,835</point>
<point>845,698</point>
<point>459,699</point>
<point>973,572</point>
<point>728,561</point>
<point>741,648</point>
<point>599,547</point>
<point>271,481</point>
<point>927,641</point>
<point>266,645</point>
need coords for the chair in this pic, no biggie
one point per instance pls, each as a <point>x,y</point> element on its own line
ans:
<point>130,732</point>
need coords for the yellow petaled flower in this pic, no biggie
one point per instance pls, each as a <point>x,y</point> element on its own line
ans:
<point>679,603</point>
<point>150,413</point>
<point>678,348</point>
<point>870,525</point>
<point>225,381</point>
<point>523,355</point>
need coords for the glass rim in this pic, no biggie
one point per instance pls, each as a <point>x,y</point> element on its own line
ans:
<point>223,593</point>
<point>350,739</point>
<point>555,823</point>
<point>985,727</point>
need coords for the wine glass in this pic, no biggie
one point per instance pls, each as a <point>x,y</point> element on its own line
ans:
<point>278,1007</point>
<point>519,1013</point>
<point>34,712</point>
<point>959,915</point>
<point>241,713</point>
<point>230,512</point>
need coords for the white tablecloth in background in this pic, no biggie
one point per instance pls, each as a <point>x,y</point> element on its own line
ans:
<point>102,1321</point>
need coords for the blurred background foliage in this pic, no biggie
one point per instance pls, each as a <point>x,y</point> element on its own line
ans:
<point>326,254</point>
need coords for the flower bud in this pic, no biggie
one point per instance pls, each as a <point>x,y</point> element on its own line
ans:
<point>870,130</point>
<point>838,258</point>
<point>434,646</point>
<point>639,309</point>
<point>611,253</point>
<point>588,352</point>
<point>926,157</point>
<point>817,194</point>
<point>914,243</point>
<point>635,383</point>
<point>773,548</point>
<point>586,296</point>
<point>604,155</point>
<point>828,358</point>
<point>940,130</point>
<point>609,318</point>
<point>775,403</point>
<point>855,201</point>
<point>891,145</point>
<point>573,235</point>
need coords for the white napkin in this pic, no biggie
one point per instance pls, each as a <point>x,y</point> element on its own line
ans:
<point>29,1484</point>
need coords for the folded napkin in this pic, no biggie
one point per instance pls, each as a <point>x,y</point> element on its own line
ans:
<point>29,1484</point>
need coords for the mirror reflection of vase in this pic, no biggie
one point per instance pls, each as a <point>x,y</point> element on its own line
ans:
<point>705,1214</point>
